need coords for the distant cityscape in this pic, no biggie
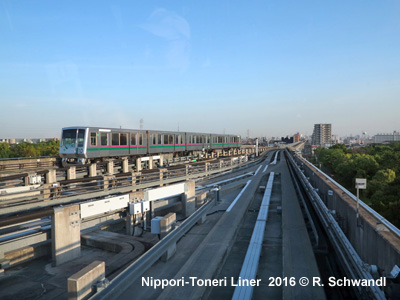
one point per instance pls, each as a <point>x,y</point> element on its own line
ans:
<point>30,141</point>
<point>322,137</point>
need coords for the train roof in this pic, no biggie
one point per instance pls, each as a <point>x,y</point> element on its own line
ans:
<point>144,130</point>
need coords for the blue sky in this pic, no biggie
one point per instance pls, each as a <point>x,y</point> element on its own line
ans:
<point>273,67</point>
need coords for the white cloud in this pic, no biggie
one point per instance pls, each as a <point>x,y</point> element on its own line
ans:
<point>175,31</point>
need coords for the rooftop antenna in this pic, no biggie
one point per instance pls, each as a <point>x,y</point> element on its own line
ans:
<point>141,124</point>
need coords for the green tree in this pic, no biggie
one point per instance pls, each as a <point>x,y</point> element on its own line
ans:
<point>385,177</point>
<point>4,150</point>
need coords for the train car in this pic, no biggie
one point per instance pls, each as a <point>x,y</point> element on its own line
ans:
<point>83,144</point>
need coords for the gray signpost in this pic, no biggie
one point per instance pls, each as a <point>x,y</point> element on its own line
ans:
<point>361,183</point>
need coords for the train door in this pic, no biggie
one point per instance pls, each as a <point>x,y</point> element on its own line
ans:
<point>147,142</point>
<point>186,141</point>
<point>93,146</point>
<point>142,142</point>
<point>133,149</point>
<point>104,143</point>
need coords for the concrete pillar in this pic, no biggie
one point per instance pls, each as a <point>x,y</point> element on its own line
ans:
<point>206,155</point>
<point>92,170</point>
<point>189,199</point>
<point>130,225</point>
<point>212,154</point>
<point>47,190</point>
<point>221,164</point>
<point>150,162</point>
<point>202,220</point>
<point>200,199</point>
<point>135,176</point>
<point>206,167</point>
<point>80,284</point>
<point>187,170</point>
<point>71,173</point>
<point>51,176</point>
<point>110,167</point>
<point>65,234</point>
<point>125,166</point>
<point>232,162</point>
<point>162,175</point>
<point>169,253</point>
<point>138,164</point>
<point>167,223</point>
<point>109,182</point>
<point>161,160</point>
<point>218,153</point>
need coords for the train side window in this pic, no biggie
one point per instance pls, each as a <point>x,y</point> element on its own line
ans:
<point>133,139</point>
<point>104,138</point>
<point>159,139</point>
<point>115,139</point>
<point>140,138</point>
<point>177,139</point>
<point>123,139</point>
<point>171,139</point>
<point>153,139</point>
<point>165,138</point>
<point>93,139</point>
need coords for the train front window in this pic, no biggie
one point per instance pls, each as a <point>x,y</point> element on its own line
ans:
<point>81,137</point>
<point>68,138</point>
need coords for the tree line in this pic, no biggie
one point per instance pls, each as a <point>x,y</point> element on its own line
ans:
<point>379,164</point>
<point>29,150</point>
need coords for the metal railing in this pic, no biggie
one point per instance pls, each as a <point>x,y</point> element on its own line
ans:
<point>122,282</point>
<point>381,219</point>
<point>69,191</point>
<point>344,249</point>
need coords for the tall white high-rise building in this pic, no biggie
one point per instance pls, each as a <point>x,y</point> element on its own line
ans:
<point>322,134</point>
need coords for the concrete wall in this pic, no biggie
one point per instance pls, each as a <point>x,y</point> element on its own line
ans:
<point>65,234</point>
<point>367,239</point>
<point>189,199</point>
<point>80,284</point>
